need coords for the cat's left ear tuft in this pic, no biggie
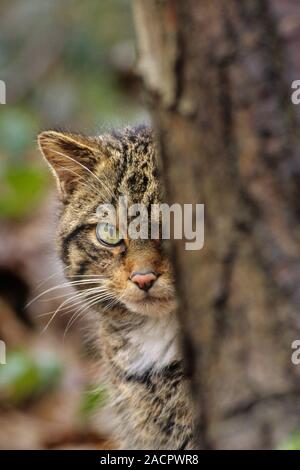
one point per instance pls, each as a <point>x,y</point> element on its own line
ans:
<point>71,158</point>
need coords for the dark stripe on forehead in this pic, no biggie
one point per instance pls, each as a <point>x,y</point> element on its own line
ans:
<point>88,206</point>
<point>122,170</point>
<point>71,236</point>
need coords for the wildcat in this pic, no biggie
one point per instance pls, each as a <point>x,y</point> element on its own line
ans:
<point>131,289</point>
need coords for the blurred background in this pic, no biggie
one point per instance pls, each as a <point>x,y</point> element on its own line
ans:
<point>66,64</point>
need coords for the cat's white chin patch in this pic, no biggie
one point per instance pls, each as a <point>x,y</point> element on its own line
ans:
<point>153,345</point>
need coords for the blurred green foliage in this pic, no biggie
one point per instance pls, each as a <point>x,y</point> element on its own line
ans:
<point>21,190</point>
<point>91,401</point>
<point>66,65</point>
<point>22,185</point>
<point>17,132</point>
<point>25,377</point>
<point>292,443</point>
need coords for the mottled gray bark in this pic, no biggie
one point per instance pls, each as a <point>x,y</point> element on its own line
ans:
<point>217,75</point>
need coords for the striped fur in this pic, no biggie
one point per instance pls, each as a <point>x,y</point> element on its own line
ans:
<point>138,332</point>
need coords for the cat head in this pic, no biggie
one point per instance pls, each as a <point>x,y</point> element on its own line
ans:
<point>90,172</point>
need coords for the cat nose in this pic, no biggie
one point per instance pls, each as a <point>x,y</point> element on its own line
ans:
<point>144,280</point>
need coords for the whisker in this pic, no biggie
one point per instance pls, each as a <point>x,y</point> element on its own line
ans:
<point>86,299</point>
<point>68,293</point>
<point>61,286</point>
<point>65,332</point>
<point>113,302</point>
<point>51,276</point>
<point>82,178</point>
<point>87,169</point>
<point>74,299</point>
<point>79,312</point>
<point>85,275</point>
<point>80,295</point>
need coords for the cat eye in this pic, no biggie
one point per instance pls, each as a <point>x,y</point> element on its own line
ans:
<point>108,234</point>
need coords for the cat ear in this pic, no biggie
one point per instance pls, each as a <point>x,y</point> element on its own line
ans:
<point>71,158</point>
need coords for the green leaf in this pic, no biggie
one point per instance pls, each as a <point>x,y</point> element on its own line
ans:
<point>21,189</point>
<point>91,401</point>
<point>18,378</point>
<point>23,377</point>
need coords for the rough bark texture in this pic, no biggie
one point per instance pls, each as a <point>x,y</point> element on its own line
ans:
<point>218,76</point>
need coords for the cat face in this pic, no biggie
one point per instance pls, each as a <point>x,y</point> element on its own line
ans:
<point>111,270</point>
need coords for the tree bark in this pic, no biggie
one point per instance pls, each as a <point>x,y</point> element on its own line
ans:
<point>218,79</point>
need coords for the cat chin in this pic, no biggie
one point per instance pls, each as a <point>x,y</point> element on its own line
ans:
<point>152,307</point>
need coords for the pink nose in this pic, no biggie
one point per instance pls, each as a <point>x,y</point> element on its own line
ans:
<point>143,280</point>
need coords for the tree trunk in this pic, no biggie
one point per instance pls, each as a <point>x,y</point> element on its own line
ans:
<point>218,77</point>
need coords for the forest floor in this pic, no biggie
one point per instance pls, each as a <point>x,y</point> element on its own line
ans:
<point>64,412</point>
<point>51,394</point>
